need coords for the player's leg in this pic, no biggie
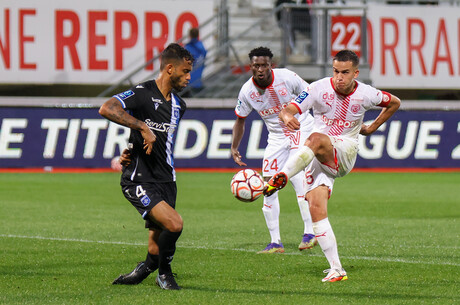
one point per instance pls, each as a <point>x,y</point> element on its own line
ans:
<point>152,259</point>
<point>172,224</point>
<point>150,264</point>
<point>271,211</point>
<point>308,237</point>
<point>275,154</point>
<point>318,198</point>
<point>165,227</point>
<point>317,145</point>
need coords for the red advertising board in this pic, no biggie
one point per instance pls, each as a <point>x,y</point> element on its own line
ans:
<point>346,34</point>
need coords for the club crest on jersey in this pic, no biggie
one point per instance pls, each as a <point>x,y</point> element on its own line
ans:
<point>176,112</point>
<point>283,92</point>
<point>355,108</point>
<point>145,200</point>
<point>386,98</point>
<point>302,96</point>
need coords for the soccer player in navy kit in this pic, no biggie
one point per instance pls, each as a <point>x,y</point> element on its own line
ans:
<point>152,110</point>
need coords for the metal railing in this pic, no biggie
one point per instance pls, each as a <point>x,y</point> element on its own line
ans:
<point>315,23</point>
<point>219,32</point>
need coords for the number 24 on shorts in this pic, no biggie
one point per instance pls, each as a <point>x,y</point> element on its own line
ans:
<point>272,166</point>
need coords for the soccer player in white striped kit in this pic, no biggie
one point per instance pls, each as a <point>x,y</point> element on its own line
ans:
<point>330,152</point>
<point>268,91</point>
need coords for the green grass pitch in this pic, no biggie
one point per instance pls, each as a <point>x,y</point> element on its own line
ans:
<point>65,237</point>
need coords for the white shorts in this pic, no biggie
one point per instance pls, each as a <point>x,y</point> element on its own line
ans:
<point>317,173</point>
<point>279,149</point>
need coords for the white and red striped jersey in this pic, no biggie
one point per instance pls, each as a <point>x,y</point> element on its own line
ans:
<point>269,101</point>
<point>335,114</point>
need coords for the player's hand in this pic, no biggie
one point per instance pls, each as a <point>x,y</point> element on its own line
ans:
<point>292,124</point>
<point>125,158</point>
<point>365,130</point>
<point>149,139</point>
<point>237,157</point>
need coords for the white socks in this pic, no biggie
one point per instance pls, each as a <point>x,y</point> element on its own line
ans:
<point>298,161</point>
<point>298,183</point>
<point>306,217</point>
<point>271,211</point>
<point>327,242</point>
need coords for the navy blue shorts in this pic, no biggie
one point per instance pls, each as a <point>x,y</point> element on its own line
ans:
<point>145,196</point>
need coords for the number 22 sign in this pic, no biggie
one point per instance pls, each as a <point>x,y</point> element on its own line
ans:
<point>346,34</point>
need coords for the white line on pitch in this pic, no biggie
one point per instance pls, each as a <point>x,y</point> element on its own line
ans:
<point>369,258</point>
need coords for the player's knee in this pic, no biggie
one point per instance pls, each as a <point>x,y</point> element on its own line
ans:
<point>314,141</point>
<point>317,211</point>
<point>176,225</point>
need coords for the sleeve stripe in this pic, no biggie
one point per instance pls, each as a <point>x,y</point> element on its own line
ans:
<point>121,101</point>
<point>386,99</point>
<point>298,108</point>
<point>240,115</point>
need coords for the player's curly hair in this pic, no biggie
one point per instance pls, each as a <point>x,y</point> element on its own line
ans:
<point>174,53</point>
<point>347,55</point>
<point>260,51</point>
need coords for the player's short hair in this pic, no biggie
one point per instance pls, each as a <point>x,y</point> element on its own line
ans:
<point>347,55</point>
<point>260,51</point>
<point>173,54</point>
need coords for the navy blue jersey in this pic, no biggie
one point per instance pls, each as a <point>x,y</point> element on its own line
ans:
<point>146,103</point>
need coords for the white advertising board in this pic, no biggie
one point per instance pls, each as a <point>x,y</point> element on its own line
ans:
<point>87,41</point>
<point>416,46</point>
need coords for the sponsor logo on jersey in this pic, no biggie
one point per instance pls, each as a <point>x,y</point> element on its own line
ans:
<point>339,122</point>
<point>161,127</point>
<point>145,200</point>
<point>273,110</point>
<point>328,98</point>
<point>157,102</point>
<point>125,95</point>
<point>302,96</point>
<point>255,96</point>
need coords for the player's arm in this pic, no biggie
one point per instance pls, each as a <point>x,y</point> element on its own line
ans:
<point>237,135</point>
<point>287,115</point>
<point>113,111</point>
<point>387,111</point>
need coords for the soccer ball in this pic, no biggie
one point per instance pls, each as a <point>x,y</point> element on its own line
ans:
<point>247,185</point>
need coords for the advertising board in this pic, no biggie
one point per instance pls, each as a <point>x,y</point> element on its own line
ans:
<point>80,138</point>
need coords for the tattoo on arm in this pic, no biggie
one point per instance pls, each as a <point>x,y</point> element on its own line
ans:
<point>113,111</point>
